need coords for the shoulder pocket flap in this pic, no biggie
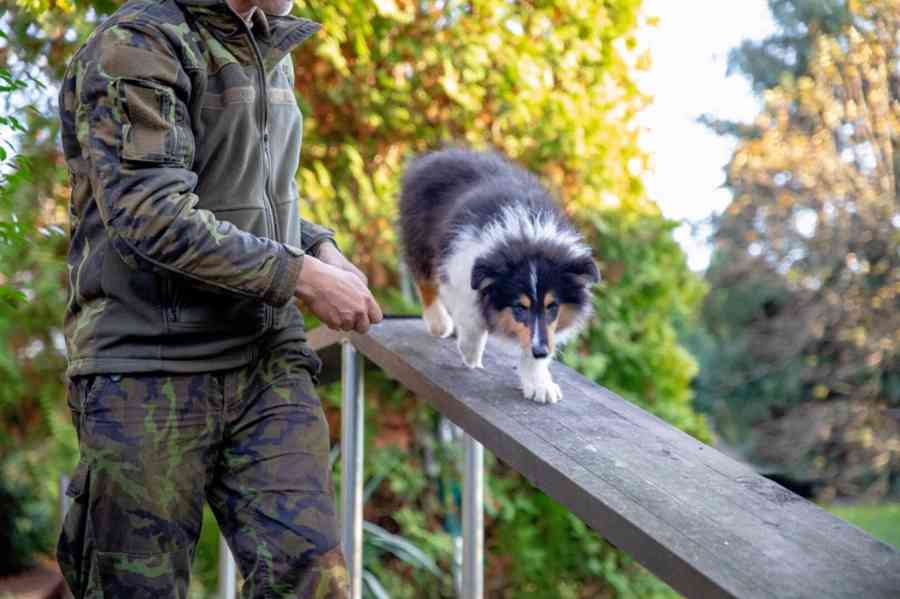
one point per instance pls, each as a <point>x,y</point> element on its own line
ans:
<point>153,130</point>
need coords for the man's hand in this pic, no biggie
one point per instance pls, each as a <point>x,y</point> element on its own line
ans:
<point>338,297</point>
<point>328,253</point>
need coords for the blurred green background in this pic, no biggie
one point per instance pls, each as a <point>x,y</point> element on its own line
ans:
<point>783,353</point>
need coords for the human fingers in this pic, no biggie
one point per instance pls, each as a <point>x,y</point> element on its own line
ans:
<point>373,310</point>
<point>362,323</point>
<point>333,318</point>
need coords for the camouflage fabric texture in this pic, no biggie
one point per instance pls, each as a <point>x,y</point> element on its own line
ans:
<point>253,441</point>
<point>182,136</point>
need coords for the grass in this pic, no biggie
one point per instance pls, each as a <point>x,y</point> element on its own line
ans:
<point>882,521</point>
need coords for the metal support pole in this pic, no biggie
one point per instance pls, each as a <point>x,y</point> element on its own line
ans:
<point>352,413</point>
<point>473,519</point>
<point>227,571</point>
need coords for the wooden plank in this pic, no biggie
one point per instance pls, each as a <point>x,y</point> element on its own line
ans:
<point>704,523</point>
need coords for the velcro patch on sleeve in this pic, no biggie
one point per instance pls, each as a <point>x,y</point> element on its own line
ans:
<point>121,60</point>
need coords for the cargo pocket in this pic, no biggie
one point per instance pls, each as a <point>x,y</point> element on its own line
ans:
<point>154,125</point>
<point>98,574</point>
<point>79,390</point>
<point>303,356</point>
<point>75,543</point>
<point>138,576</point>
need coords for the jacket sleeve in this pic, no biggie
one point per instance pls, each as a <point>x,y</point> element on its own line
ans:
<point>135,131</point>
<point>311,235</point>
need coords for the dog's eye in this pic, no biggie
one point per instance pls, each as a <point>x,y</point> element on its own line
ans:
<point>552,310</point>
<point>519,310</point>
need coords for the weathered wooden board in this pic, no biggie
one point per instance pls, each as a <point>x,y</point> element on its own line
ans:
<point>704,523</point>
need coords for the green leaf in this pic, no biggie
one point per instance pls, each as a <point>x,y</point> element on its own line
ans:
<point>16,124</point>
<point>373,587</point>
<point>400,547</point>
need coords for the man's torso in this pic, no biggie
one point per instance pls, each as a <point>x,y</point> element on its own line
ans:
<point>218,102</point>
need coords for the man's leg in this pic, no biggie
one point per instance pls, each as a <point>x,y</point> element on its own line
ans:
<point>146,446</point>
<point>272,492</point>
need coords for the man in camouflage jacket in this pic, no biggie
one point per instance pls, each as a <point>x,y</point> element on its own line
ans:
<point>190,377</point>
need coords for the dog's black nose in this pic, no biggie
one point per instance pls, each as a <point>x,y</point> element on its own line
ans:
<point>540,352</point>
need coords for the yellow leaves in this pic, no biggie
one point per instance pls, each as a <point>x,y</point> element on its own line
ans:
<point>330,50</point>
<point>547,91</point>
<point>467,96</point>
<point>493,41</point>
<point>530,73</point>
<point>644,62</point>
<point>389,8</point>
<point>820,391</point>
<point>40,7</point>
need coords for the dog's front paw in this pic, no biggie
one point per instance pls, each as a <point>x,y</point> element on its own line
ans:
<point>542,391</point>
<point>471,361</point>
<point>537,383</point>
<point>438,320</point>
<point>471,351</point>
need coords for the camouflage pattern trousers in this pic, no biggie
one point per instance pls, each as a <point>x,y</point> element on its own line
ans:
<point>253,442</point>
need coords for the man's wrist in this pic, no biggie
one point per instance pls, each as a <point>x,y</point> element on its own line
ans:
<point>307,280</point>
<point>319,245</point>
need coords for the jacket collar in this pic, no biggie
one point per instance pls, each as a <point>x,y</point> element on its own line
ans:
<point>276,35</point>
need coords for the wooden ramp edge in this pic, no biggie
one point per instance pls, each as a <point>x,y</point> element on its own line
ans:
<point>702,522</point>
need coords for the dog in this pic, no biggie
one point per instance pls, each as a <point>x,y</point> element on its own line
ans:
<point>491,252</point>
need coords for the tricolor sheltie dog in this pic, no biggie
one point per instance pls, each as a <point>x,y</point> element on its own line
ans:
<point>491,252</point>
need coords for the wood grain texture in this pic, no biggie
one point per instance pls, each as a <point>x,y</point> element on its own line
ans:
<point>704,523</point>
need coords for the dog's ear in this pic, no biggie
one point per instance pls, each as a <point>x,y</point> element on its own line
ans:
<point>484,273</point>
<point>583,269</point>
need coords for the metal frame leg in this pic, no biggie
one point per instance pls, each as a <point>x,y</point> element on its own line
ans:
<point>227,571</point>
<point>406,283</point>
<point>63,498</point>
<point>352,413</point>
<point>473,519</point>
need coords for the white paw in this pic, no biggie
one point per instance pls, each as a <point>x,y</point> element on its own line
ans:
<point>471,347</point>
<point>542,391</point>
<point>471,354</point>
<point>537,383</point>
<point>438,320</point>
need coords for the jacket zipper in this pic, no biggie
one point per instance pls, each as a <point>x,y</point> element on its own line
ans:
<point>268,311</point>
<point>172,306</point>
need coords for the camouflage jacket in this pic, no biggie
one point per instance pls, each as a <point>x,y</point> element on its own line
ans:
<point>182,137</point>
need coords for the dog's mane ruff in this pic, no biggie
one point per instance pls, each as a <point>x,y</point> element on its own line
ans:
<point>515,222</point>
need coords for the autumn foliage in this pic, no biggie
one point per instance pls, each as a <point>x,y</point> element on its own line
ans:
<point>805,300</point>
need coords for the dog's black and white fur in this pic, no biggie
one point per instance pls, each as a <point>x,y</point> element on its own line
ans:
<point>491,251</point>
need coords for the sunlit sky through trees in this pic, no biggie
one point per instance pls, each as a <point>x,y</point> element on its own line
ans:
<point>689,50</point>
